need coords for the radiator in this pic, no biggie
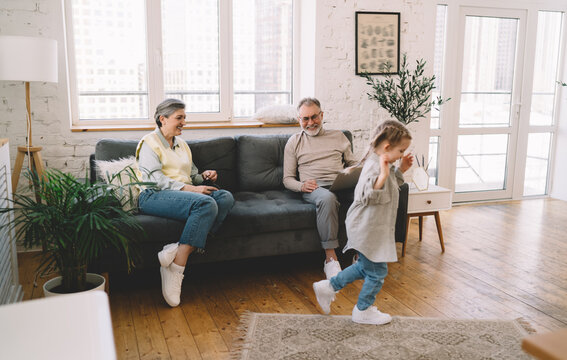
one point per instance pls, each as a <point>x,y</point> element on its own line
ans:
<point>10,289</point>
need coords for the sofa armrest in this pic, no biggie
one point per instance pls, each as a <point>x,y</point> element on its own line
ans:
<point>401,217</point>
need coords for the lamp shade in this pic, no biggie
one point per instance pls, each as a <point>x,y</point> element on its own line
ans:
<point>24,58</point>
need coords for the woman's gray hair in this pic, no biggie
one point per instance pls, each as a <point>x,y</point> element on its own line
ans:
<point>166,108</point>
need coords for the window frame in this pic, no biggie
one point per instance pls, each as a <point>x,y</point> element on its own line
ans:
<point>224,118</point>
<point>450,110</point>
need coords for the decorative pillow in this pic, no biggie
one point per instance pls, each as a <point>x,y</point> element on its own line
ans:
<point>121,173</point>
<point>276,114</point>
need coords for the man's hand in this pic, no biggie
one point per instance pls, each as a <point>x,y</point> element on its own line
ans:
<point>210,175</point>
<point>201,189</point>
<point>406,162</point>
<point>309,185</point>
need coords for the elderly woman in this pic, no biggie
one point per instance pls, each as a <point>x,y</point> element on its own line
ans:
<point>164,158</point>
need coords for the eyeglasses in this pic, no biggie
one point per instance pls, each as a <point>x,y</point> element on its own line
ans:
<point>312,117</point>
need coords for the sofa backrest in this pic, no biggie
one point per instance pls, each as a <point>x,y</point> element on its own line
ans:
<point>260,161</point>
<point>215,154</point>
<point>243,162</point>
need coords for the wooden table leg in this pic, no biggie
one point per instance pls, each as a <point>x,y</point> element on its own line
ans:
<point>439,231</point>
<point>406,239</point>
<point>420,227</point>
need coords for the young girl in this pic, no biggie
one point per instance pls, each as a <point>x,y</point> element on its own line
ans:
<point>370,223</point>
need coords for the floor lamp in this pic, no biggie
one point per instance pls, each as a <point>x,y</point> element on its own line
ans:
<point>24,58</point>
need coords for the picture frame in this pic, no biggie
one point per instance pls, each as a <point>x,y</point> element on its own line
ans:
<point>377,42</point>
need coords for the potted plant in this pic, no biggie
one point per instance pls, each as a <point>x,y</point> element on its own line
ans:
<point>74,220</point>
<point>407,97</point>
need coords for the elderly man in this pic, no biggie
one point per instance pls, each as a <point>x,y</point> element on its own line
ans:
<point>318,155</point>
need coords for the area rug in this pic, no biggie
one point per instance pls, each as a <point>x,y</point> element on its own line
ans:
<point>319,337</point>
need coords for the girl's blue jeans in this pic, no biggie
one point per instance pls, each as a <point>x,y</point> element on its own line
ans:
<point>373,274</point>
<point>202,213</point>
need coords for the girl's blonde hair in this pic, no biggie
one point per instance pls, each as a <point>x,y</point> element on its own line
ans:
<point>392,131</point>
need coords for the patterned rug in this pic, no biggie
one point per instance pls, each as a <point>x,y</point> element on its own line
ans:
<point>319,337</point>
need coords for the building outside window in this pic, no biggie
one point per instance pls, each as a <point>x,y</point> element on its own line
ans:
<point>225,59</point>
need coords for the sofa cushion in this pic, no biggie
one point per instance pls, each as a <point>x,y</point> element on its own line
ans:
<point>260,162</point>
<point>253,213</point>
<point>114,149</point>
<point>267,211</point>
<point>212,154</point>
<point>217,154</point>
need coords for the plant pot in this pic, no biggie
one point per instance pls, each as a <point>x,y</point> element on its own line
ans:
<point>96,280</point>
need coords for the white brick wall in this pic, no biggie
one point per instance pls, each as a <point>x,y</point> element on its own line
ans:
<point>343,95</point>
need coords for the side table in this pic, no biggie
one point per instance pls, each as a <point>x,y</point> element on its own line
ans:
<point>424,203</point>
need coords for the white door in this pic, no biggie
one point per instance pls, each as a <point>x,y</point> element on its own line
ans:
<point>490,56</point>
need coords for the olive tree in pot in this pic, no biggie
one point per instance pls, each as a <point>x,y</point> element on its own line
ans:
<point>406,96</point>
<point>73,220</point>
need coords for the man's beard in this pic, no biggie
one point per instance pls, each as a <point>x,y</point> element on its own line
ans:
<point>312,132</point>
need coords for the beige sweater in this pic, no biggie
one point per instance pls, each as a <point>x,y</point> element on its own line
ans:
<point>319,157</point>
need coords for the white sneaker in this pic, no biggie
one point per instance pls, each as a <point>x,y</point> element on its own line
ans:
<point>370,316</point>
<point>168,253</point>
<point>325,294</point>
<point>171,285</point>
<point>331,268</point>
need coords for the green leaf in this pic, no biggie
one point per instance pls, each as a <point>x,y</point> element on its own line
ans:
<point>407,97</point>
<point>74,220</point>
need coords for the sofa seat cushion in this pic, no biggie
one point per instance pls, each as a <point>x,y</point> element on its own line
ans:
<point>253,213</point>
<point>267,211</point>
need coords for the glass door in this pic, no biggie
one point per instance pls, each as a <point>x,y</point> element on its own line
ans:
<point>491,51</point>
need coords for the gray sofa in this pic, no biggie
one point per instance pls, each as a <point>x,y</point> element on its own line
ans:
<point>267,219</point>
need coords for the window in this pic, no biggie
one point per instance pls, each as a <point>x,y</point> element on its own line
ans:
<point>542,115</point>
<point>225,59</point>
<point>438,63</point>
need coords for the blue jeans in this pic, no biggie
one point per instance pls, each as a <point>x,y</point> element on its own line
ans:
<point>373,274</point>
<point>202,213</point>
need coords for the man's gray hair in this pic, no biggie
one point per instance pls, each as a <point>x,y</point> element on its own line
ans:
<point>308,101</point>
<point>166,108</point>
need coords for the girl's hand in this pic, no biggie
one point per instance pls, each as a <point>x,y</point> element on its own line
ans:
<point>406,162</point>
<point>384,172</point>
<point>210,175</point>
<point>384,165</point>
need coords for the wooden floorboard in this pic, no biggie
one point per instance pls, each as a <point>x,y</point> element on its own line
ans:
<point>503,260</point>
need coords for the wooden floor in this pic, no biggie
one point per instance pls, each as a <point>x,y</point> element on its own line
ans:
<point>502,260</point>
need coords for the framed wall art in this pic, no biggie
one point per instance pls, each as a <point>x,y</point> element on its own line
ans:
<point>377,42</point>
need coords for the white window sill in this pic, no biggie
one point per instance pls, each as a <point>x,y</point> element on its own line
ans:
<point>203,125</point>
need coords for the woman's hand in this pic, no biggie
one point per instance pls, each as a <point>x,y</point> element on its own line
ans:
<point>406,162</point>
<point>210,175</point>
<point>201,189</point>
